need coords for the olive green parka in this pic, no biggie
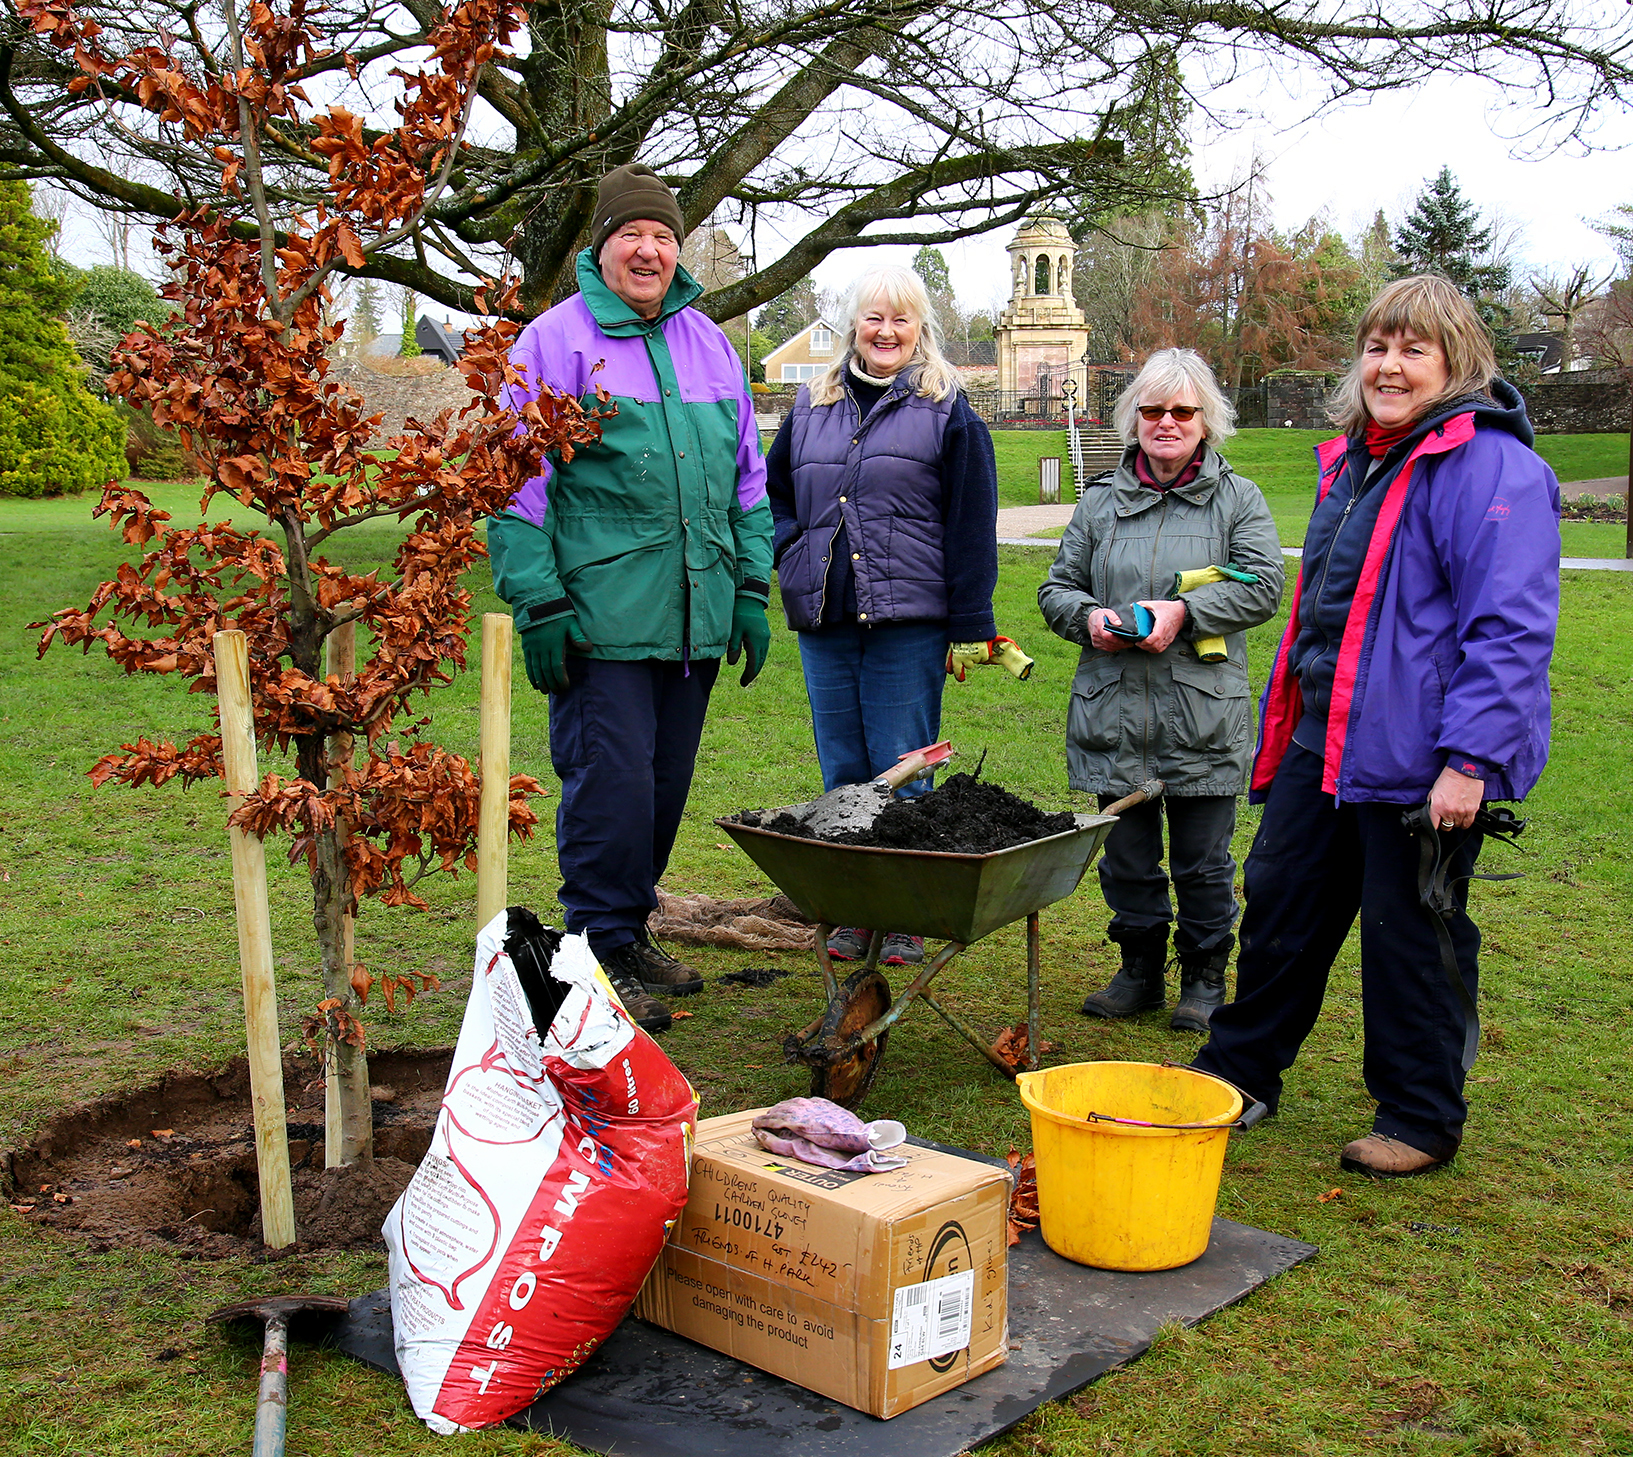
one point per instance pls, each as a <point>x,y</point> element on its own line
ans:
<point>1136,715</point>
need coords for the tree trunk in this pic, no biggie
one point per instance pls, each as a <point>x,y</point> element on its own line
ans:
<point>330,895</point>
<point>568,89</point>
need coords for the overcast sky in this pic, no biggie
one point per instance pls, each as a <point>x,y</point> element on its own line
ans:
<point>1352,161</point>
<point>1370,155</point>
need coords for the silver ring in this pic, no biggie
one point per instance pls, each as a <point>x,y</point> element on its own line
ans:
<point>1448,824</point>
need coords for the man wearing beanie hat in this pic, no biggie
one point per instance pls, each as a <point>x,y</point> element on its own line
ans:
<point>633,568</point>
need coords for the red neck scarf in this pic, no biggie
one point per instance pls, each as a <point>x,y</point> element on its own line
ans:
<point>1381,441</point>
<point>1142,470</point>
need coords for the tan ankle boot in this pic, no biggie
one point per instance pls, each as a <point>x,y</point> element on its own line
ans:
<point>1379,1156</point>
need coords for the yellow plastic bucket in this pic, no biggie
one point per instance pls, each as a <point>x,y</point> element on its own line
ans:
<point>1120,1196</point>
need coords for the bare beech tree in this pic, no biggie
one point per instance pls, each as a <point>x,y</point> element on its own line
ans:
<point>848,122</point>
<point>1564,299</point>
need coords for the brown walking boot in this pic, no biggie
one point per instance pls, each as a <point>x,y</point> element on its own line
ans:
<point>1379,1156</point>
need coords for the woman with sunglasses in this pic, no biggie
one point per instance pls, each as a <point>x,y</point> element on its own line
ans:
<point>1410,688</point>
<point>1161,690</point>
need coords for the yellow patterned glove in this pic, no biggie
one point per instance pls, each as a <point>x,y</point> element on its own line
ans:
<point>1005,651</point>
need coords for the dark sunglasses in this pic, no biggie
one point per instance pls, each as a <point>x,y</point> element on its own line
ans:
<point>1181,413</point>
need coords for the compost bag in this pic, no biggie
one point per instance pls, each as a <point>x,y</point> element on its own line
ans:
<point>558,1165</point>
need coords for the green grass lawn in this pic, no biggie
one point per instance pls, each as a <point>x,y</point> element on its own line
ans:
<point>1282,463</point>
<point>1485,1310</point>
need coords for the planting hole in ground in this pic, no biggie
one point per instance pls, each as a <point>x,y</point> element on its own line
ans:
<point>172,1165</point>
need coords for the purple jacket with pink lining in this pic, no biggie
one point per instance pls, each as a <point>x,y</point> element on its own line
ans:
<point>649,535</point>
<point>1436,585</point>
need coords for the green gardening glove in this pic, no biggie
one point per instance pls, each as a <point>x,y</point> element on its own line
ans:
<point>751,635</point>
<point>545,646</point>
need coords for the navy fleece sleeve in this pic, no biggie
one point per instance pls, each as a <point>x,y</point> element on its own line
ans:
<point>779,489</point>
<point>969,524</point>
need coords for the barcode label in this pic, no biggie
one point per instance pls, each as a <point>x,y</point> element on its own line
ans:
<point>931,1319</point>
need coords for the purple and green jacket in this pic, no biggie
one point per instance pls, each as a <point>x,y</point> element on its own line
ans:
<point>649,535</point>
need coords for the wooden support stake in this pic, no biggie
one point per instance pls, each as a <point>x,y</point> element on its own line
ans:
<point>255,947</point>
<point>343,665</point>
<point>493,824</point>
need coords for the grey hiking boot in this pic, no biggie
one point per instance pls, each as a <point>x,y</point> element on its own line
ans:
<point>1201,986</point>
<point>849,943</point>
<point>1138,986</point>
<point>901,950</point>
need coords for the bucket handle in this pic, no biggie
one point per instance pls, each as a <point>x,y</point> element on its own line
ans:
<point>1252,1109</point>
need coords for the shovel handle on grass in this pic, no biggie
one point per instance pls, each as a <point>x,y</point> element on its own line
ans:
<point>1151,789</point>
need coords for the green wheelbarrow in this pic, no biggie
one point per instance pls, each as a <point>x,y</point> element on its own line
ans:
<point>953,898</point>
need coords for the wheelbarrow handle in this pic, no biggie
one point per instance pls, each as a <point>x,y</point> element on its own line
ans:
<point>1151,789</point>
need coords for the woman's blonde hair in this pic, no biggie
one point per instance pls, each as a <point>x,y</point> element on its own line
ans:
<point>1435,310</point>
<point>933,375</point>
<point>1165,373</point>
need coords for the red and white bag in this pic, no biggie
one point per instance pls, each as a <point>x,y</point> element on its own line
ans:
<point>558,1165</point>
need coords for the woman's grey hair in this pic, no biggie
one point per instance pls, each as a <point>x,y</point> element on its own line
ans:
<point>934,376</point>
<point>1169,372</point>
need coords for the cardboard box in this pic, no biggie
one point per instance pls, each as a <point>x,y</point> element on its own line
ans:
<point>880,1290</point>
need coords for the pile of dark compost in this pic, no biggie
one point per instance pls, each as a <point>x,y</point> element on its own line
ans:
<point>963,816</point>
<point>172,1165</point>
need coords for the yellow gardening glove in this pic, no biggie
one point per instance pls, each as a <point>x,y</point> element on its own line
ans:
<point>1005,651</point>
<point>1210,649</point>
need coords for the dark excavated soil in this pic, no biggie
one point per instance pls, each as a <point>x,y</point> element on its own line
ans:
<point>173,1165</point>
<point>963,815</point>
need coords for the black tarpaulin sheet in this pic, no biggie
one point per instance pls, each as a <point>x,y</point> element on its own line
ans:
<point>647,1393</point>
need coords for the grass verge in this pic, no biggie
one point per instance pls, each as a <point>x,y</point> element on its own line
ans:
<point>1486,1310</point>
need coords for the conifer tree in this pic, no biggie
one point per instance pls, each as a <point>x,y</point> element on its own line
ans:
<point>1443,234</point>
<point>931,266</point>
<point>410,348</point>
<point>365,320</point>
<point>55,436</point>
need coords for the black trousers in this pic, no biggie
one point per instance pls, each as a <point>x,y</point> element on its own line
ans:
<point>1315,865</point>
<point>1199,862</point>
<point>623,738</point>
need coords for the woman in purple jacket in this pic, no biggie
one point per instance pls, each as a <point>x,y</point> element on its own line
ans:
<point>884,494</point>
<point>1413,676</point>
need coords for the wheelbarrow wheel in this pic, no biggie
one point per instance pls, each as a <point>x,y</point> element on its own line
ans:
<point>842,1075</point>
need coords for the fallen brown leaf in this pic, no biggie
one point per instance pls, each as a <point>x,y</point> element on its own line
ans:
<point>677,1014</point>
<point>1023,1203</point>
<point>1329,1196</point>
<point>22,1208</point>
<point>164,1132</point>
<point>133,1143</point>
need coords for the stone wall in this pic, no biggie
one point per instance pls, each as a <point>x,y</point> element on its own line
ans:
<point>430,388</point>
<point>1578,404</point>
<point>1572,404</point>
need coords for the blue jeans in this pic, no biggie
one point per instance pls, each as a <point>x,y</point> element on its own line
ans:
<point>875,695</point>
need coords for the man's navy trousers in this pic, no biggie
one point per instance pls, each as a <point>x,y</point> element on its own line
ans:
<point>1315,865</point>
<point>623,738</point>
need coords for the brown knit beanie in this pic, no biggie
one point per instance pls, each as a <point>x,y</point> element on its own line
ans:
<point>632,191</point>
